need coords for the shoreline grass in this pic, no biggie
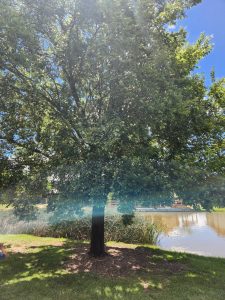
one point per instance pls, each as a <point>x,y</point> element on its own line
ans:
<point>218,209</point>
<point>35,269</point>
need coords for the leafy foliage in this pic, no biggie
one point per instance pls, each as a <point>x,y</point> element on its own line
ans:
<point>98,97</point>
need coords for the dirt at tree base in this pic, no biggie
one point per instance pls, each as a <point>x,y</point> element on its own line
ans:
<point>121,262</point>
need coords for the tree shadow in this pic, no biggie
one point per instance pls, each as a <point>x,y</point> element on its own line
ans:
<point>68,272</point>
<point>73,257</point>
<point>44,273</point>
<point>124,261</point>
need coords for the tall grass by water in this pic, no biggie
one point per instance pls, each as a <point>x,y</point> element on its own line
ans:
<point>139,231</point>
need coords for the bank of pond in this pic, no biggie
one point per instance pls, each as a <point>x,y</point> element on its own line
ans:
<point>56,268</point>
<point>200,233</point>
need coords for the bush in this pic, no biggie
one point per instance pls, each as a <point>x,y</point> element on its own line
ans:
<point>137,232</point>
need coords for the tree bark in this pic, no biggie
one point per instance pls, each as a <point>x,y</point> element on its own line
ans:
<point>97,231</point>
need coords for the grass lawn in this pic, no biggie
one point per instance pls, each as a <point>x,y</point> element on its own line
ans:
<point>4,207</point>
<point>48,268</point>
<point>218,209</point>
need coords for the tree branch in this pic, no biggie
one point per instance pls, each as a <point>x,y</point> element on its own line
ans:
<point>10,140</point>
<point>48,99</point>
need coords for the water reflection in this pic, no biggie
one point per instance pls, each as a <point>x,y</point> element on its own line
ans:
<point>201,233</point>
<point>217,222</point>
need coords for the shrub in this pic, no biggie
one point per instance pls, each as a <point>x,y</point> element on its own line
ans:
<point>137,232</point>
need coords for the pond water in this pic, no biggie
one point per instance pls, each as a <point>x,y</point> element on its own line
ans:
<point>198,233</point>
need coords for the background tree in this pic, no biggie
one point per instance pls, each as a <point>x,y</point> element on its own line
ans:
<point>98,97</point>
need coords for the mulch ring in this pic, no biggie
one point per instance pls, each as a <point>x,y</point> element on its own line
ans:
<point>121,262</point>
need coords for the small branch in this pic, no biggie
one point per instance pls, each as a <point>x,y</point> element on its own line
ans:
<point>49,100</point>
<point>10,140</point>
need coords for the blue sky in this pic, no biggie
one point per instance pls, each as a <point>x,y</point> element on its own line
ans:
<point>208,17</point>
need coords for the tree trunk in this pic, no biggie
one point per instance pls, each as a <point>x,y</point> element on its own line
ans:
<point>97,231</point>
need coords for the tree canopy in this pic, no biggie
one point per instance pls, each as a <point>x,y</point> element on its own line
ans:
<point>100,96</point>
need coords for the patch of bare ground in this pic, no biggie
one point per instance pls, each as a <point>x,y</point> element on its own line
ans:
<point>24,248</point>
<point>121,262</point>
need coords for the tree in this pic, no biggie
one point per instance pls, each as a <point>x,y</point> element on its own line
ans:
<point>98,97</point>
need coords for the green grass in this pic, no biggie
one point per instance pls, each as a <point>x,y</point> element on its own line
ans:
<point>37,272</point>
<point>219,209</point>
<point>4,207</point>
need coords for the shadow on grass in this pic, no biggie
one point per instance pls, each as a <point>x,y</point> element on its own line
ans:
<point>43,274</point>
<point>124,261</point>
<point>67,272</point>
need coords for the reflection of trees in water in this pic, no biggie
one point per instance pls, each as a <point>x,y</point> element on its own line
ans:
<point>217,222</point>
<point>187,221</point>
<point>171,221</point>
<point>167,222</point>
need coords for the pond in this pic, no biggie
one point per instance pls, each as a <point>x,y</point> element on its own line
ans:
<point>198,233</point>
